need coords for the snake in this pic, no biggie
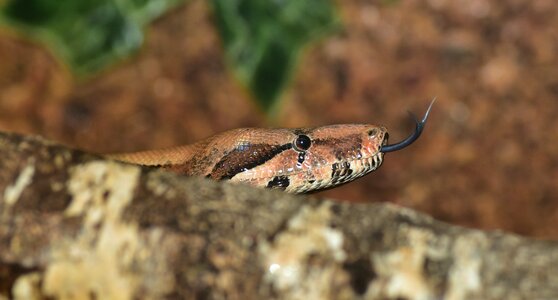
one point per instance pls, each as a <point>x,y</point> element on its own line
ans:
<point>295,160</point>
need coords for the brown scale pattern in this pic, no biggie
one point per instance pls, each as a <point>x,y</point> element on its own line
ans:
<point>267,158</point>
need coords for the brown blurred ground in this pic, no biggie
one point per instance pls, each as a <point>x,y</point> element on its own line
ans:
<point>488,158</point>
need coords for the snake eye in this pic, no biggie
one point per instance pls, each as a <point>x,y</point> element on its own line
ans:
<point>302,142</point>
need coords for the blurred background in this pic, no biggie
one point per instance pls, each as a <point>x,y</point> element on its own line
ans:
<point>123,75</point>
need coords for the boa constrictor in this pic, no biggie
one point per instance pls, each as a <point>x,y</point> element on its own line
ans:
<point>295,160</point>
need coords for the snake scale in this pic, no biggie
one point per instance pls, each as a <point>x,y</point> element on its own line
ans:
<point>294,160</point>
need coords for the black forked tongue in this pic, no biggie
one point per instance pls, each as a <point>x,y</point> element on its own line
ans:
<point>419,127</point>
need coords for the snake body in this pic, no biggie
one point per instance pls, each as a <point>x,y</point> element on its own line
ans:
<point>294,160</point>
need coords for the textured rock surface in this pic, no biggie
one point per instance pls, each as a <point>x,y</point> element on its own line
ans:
<point>74,226</point>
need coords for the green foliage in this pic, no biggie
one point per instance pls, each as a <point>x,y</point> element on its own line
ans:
<point>263,39</point>
<point>88,34</point>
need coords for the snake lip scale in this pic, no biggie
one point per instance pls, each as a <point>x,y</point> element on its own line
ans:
<point>357,167</point>
<point>296,160</point>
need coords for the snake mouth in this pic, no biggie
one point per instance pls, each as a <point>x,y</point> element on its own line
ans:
<point>351,169</point>
<point>385,140</point>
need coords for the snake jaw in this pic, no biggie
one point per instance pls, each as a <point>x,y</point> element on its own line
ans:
<point>341,172</point>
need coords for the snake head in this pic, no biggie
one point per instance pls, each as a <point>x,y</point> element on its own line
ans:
<point>309,159</point>
<point>304,159</point>
<point>340,154</point>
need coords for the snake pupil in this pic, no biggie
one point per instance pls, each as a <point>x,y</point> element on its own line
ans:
<point>302,142</point>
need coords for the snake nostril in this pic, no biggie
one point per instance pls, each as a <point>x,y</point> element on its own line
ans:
<point>373,132</point>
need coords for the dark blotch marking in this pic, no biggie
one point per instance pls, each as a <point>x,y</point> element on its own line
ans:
<point>339,170</point>
<point>239,160</point>
<point>279,182</point>
<point>361,273</point>
<point>301,156</point>
<point>334,172</point>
